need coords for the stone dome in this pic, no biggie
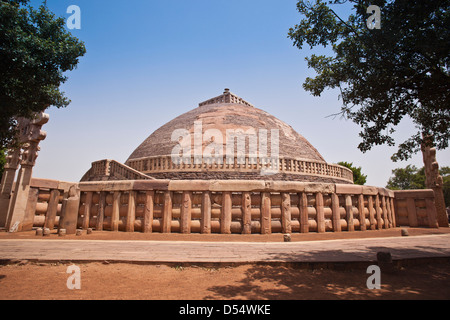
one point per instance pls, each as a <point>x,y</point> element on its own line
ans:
<point>222,117</point>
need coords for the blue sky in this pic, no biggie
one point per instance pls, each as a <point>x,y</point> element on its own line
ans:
<point>149,61</point>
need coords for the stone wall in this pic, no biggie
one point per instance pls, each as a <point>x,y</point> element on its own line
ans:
<point>416,208</point>
<point>246,176</point>
<point>218,206</point>
<point>105,170</point>
<point>248,168</point>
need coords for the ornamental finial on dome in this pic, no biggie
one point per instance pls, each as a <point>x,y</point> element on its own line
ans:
<point>226,97</point>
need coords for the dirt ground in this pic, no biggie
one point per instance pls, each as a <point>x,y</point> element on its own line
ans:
<point>254,282</point>
<point>116,281</point>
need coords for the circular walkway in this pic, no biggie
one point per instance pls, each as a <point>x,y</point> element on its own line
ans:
<point>341,250</point>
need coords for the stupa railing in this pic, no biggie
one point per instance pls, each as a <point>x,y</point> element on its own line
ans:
<point>113,170</point>
<point>226,97</point>
<point>225,206</point>
<point>160,164</point>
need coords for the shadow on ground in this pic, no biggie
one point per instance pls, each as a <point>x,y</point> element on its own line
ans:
<point>414,278</point>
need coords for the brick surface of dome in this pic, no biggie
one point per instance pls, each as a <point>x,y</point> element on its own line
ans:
<point>228,116</point>
<point>296,159</point>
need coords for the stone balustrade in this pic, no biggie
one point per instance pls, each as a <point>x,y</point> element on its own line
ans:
<point>416,208</point>
<point>226,97</point>
<point>112,170</point>
<point>45,203</point>
<point>155,165</point>
<point>224,206</point>
<point>233,207</point>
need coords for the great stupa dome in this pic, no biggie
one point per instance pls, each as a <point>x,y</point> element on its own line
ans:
<point>271,150</point>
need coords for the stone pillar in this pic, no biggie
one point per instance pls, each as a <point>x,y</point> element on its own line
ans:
<point>148,212</point>
<point>19,200</point>
<point>246,213</point>
<point>101,211</point>
<point>362,216</point>
<point>225,215</point>
<point>205,223</point>
<point>372,213</point>
<point>87,210</point>
<point>166,222</point>
<point>286,213</point>
<point>266,220</point>
<point>6,186</point>
<point>303,207</point>
<point>52,209</point>
<point>336,213</point>
<point>186,212</point>
<point>131,212</point>
<point>28,219</point>
<point>378,212</point>
<point>69,215</point>
<point>320,213</point>
<point>349,212</point>
<point>115,211</point>
<point>435,182</point>
<point>30,136</point>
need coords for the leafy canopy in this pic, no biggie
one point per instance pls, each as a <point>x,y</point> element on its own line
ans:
<point>412,177</point>
<point>358,176</point>
<point>35,51</point>
<point>384,75</point>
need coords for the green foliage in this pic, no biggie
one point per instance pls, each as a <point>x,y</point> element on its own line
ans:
<point>413,178</point>
<point>358,177</point>
<point>401,70</point>
<point>35,51</point>
<point>407,178</point>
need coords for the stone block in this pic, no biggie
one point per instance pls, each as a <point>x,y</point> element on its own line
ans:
<point>236,185</point>
<point>106,186</point>
<point>384,260</point>
<point>369,191</point>
<point>425,193</point>
<point>349,189</point>
<point>64,185</point>
<point>69,216</point>
<point>44,183</point>
<point>189,185</point>
<point>287,186</point>
<point>320,187</point>
<point>383,192</point>
<point>391,193</point>
<point>146,185</point>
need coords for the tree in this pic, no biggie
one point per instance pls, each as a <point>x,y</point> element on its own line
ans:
<point>383,74</point>
<point>407,178</point>
<point>358,177</point>
<point>412,177</point>
<point>35,51</point>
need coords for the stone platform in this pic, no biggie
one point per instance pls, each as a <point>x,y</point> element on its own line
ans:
<point>195,252</point>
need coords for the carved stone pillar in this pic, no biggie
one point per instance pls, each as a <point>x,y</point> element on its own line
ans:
<point>30,136</point>
<point>69,216</point>
<point>6,186</point>
<point>435,182</point>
